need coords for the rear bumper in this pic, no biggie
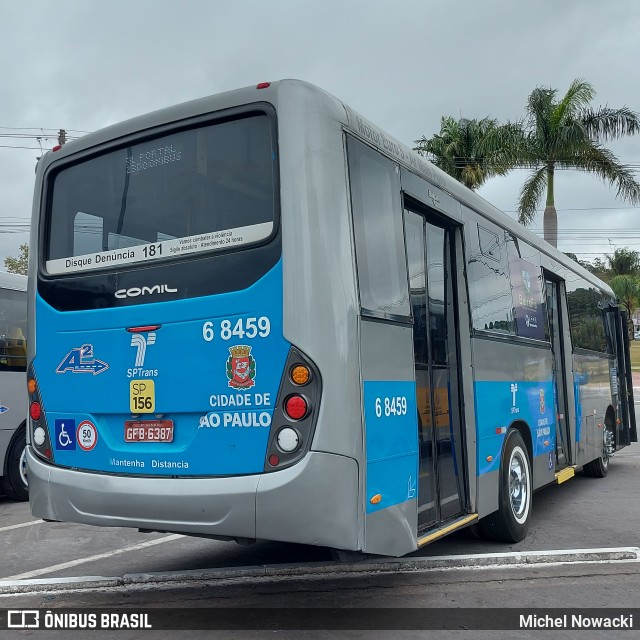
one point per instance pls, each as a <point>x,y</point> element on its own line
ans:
<point>313,502</point>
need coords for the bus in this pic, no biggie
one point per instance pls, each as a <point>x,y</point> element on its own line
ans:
<point>258,316</point>
<point>13,396</point>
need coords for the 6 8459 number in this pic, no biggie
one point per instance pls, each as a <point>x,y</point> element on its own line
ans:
<point>394,406</point>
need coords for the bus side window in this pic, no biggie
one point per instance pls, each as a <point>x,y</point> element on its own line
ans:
<point>379,238</point>
<point>489,283</point>
<point>16,348</point>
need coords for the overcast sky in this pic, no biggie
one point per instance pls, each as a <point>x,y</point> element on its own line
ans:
<point>84,64</point>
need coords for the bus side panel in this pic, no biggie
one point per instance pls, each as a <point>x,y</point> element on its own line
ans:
<point>5,439</point>
<point>513,383</point>
<point>314,502</point>
<point>13,408</point>
<point>320,293</point>
<point>592,397</point>
<point>391,438</point>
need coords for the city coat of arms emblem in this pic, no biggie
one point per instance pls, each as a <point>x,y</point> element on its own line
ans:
<point>241,367</point>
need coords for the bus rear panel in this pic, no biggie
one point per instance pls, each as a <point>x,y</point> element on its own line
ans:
<point>164,385</point>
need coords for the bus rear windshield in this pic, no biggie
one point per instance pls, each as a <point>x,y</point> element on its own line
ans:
<point>198,190</point>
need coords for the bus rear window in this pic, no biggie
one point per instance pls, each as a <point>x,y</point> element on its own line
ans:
<point>197,190</point>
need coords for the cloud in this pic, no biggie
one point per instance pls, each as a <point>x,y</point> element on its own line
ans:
<point>85,65</point>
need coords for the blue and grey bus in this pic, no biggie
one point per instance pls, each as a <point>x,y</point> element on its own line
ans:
<point>257,316</point>
<point>13,396</point>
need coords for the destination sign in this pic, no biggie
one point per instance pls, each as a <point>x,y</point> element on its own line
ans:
<point>212,241</point>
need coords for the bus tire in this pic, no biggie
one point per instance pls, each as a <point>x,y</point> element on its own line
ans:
<point>510,522</point>
<point>598,468</point>
<point>14,482</point>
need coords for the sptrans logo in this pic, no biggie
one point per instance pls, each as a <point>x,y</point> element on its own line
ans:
<point>141,343</point>
<point>241,367</point>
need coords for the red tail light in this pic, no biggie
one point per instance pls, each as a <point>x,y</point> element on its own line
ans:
<point>296,407</point>
<point>274,461</point>
<point>150,327</point>
<point>35,411</point>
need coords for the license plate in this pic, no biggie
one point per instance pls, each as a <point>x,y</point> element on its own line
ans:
<point>142,396</point>
<point>148,431</point>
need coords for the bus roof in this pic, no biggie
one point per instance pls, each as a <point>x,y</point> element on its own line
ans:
<point>384,142</point>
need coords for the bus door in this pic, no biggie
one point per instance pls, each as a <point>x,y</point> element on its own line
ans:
<point>431,264</point>
<point>621,379</point>
<point>554,312</point>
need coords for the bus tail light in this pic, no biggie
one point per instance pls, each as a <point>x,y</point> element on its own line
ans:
<point>288,439</point>
<point>274,461</point>
<point>295,415</point>
<point>35,411</point>
<point>300,375</point>
<point>39,431</point>
<point>296,407</point>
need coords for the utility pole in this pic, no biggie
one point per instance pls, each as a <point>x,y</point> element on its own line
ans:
<point>62,136</point>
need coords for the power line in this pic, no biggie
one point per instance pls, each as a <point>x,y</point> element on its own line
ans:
<point>578,209</point>
<point>42,129</point>
<point>8,146</point>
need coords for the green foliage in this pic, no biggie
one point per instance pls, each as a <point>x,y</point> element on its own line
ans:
<point>459,150</point>
<point>563,133</point>
<point>19,264</point>
<point>627,290</point>
<point>598,267</point>
<point>589,334</point>
<point>585,319</point>
<point>556,133</point>
<point>624,262</point>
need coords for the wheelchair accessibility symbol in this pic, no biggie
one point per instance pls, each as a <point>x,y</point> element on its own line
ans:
<point>65,435</point>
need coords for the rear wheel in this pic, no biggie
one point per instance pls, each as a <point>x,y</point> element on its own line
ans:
<point>15,482</point>
<point>510,522</point>
<point>599,467</point>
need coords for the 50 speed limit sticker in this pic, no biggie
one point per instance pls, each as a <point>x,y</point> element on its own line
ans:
<point>87,435</point>
<point>142,396</point>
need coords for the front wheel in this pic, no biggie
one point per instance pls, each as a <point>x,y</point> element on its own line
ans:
<point>15,482</point>
<point>510,522</point>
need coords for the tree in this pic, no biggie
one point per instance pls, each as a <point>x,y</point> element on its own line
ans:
<point>627,290</point>
<point>563,134</point>
<point>624,262</point>
<point>19,264</point>
<point>457,150</point>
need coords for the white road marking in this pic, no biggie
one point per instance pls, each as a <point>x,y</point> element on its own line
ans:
<point>531,555</point>
<point>22,524</point>
<point>100,556</point>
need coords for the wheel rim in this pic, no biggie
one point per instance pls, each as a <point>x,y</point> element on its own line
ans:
<point>22,466</point>
<point>519,484</point>
<point>605,451</point>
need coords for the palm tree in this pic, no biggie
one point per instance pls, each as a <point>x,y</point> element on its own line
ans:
<point>627,290</point>
<point>624,262</point>
<point>563,134</point>
<point>456,150</point>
